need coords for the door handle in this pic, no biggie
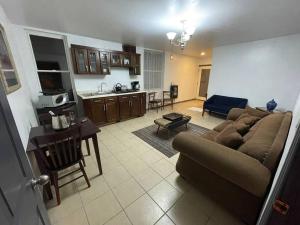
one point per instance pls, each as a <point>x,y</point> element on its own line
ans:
<point>41,180</point>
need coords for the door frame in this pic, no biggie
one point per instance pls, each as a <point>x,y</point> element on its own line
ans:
<point>198,80</point>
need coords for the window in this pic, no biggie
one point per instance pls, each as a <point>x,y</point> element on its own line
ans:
<point>153,69</point>
<point>9,76</point>
<point>52,65</point>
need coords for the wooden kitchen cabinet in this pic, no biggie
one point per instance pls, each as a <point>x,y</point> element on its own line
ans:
<point>89,60</point>
<point>143,103</point>
<point>125,109</point>
<point>104,62</point>
<point>106,110</point>
<point>98,111</point>
<point>135,105</point>
<point>135,68</point>
<point>93,62</point>
<point>80,60</point>
<point>112,110</point>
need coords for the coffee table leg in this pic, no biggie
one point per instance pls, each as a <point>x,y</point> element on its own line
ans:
<point>157,129</point>
<point>97,152</point>
<point>186,126</point>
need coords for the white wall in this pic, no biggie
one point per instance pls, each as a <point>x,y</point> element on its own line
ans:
<point>259,71</point>
<point>20,100</point>
<point>183,71</point>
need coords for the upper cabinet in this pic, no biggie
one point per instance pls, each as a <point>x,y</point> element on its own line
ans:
<point>135,68</point>
<point>94,61</point>
<point>104,62</point>
<point>80,60</point>
<point>87,60</point>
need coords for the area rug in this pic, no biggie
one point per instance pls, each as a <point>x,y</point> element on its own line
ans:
<point>163,141</point>
<point>196,109</point>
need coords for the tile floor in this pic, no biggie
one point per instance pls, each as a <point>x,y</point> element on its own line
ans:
<point>139,185</point>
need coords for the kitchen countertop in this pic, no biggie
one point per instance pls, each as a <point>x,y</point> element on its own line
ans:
<point>81,94</point>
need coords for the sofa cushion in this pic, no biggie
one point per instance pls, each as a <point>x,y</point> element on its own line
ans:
<point>221,126</point>
<point>241,127</point>
<point>256,112</point>
<point>229,137</point>
<point>259,145</point>
<point>248,119</point>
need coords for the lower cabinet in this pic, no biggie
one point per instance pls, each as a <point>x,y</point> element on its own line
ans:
<point>135,102</point>
<point>107,110</point>
<point>124,102</point>
<point>112,110</point>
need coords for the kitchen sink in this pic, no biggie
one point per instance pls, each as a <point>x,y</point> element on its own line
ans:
<point>96,93</point>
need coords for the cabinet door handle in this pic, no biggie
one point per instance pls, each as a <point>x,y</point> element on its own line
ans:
<point>87,68</point>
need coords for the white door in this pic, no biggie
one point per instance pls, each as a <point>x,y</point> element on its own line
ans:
<point>202,83</point>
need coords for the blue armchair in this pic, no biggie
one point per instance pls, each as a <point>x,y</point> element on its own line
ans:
<point>222,104</point>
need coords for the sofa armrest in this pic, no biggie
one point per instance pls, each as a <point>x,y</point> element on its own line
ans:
<point>234,166</point>
<point>234,113</point>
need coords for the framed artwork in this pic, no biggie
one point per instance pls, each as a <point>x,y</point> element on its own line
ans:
<point>8,74</point>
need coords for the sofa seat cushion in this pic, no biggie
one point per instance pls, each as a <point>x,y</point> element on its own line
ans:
<point>229,137</point>
<point>260,143</point>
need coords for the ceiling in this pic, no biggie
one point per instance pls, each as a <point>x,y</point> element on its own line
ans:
<point>145,22</point>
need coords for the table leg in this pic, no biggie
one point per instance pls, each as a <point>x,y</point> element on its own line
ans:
<point>88,146</point>
<point>97,152</point>
<point>157,129</point>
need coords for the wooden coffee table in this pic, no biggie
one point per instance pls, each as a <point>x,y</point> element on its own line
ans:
<point>172,121</point>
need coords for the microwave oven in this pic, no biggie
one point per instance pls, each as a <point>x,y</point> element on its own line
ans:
<point>53,100</point>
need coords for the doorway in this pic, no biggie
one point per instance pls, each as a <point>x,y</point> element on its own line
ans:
<point>203,80</point>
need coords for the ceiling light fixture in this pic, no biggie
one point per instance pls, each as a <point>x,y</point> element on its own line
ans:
<point>202,53</point>
<point>185,35</point>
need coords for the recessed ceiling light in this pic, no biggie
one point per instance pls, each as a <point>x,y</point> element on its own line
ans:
<point>202,53</point>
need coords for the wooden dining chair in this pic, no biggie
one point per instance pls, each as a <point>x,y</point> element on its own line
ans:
<point>45,119</point>
<point>154,102</point>
<point>167,98</point>
<point>60,151</point>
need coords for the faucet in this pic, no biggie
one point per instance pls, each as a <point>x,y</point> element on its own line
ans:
<point>101,87</point>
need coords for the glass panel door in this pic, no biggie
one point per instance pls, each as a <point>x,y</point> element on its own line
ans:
<point>94,62</point>
<point>81,58</point>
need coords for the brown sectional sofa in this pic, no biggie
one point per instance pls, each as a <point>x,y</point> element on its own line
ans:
<point>240,178</point>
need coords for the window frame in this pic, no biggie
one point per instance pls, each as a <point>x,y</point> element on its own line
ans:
<point>162,71</point>
<point>8,89</point>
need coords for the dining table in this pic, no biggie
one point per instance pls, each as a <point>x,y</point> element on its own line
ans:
<point>89,130</point>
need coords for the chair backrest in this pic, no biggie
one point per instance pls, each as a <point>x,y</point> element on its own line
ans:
<point>166,94</point>
<point>151,96</point>
<point>60,149</point>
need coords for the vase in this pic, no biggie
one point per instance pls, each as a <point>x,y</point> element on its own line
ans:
<point>271,105</point>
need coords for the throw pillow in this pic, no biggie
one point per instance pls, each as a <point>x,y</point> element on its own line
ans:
<point>242,128</point>
<point>222,126</point>
<point>229,137</point>
<point>248,119</point>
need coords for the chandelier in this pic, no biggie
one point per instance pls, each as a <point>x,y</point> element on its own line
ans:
<point>185,35</point>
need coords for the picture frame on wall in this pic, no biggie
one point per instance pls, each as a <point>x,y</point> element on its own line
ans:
<point>8,73</point>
